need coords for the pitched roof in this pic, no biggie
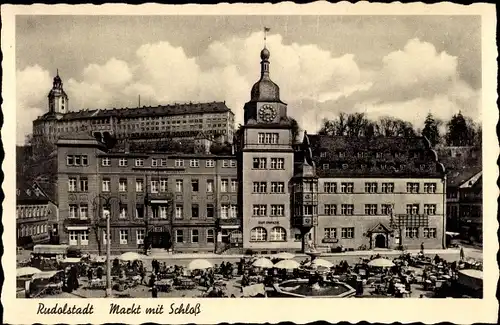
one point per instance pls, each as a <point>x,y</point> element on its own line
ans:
<point>160,110</point>
<point>30,192</point>
<point>459,176</point>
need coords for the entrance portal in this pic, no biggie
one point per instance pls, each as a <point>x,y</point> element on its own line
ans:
<point>380,241</point>
<point>160,240</point>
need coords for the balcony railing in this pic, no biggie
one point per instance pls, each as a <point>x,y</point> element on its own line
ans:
<point>76,221</point>
<point>227,222</point>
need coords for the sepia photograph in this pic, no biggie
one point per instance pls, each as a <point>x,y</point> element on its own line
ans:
<point>248,156</point>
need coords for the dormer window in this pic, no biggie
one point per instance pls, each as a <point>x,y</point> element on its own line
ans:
<point>341,154</point>
<point>378,155</point>
<point>326,166</point>
<point>322,155</point>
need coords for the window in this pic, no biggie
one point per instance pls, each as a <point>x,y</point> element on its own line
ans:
<point>139,162</point>
<point>73,237</point>
<point>123,236</point>
<point>224,183</point>
<point>106,212</point>
<point>412,208</point>
<point>234,185</point>
<point>179,185</point>
<point>122,162</point>
<point>233,211</point>
<point>210,163</point>
<point>163,211</point>
<point>225,163</point>
<point>179,236</point>
<point>105,237</point>
<point>278,234</point>
<point>84,211</point>
<point>106,161</point>
<point>308,210</point>
<point>122,185</point>
<point>347,233</point>
<point>163,162</point>
<point>194,163</point>
<point>179,212</point>
<point>277,210</point>
<point>70,160</point>
<point>194,235</point>
<point>232,163</point>
<point>326,166</point>
<point>139,211</point>
<point>346,187</point>
<point>429,232</point>
<point>260,163</point>
<point>268,138</point>
<point>140,234</point>
<point>411,232</point>
<point>73,211</point>
<point>210,236</point>
<point>277,163</point>
<point>179,163</point>
<point>123,211</point>
<point>78,160</point>
<point>106,185</point>
<point>259,210</point>
<point>84,184</point>
<point>370,209</point>
<point>163,185</point>
<point>194,185</point>
<point>139,185</point>
<point>412,187</point>
<point>258,234</point>
<point>210,211</point>
<point>347,209</point>
<point>72,184</point>
<point>387,187</point>
<point>277,187</point>
<point>386,209</point>
<point>154,162</point>
<point>224,211</point>
<point>330,233</point>
<point>341,154</point>
<point>430,209</point>
<point>194,211</point>
<point>371,187</point>
<point>330,209</point>
<point>330,187</point>
<point>429,187</point>
<point>84,237</point>
<point>210,186</point>
<point>154,186</point>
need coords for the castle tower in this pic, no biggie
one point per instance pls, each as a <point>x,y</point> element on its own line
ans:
<point>58,99</point>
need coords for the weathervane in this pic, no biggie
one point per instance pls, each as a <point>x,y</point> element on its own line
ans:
<point>266,29</point>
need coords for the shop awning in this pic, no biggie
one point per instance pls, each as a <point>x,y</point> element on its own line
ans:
<point>160,201</point>
<point>230,226</point>
<point>77,227</point>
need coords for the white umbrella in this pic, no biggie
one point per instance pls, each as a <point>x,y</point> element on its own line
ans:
<point>263,262</point>
<point>28,270</point>
<point>283,256</point>
<point>129,256</point>
<point>381,262</point>
<point>199,264</point>
<point>321,262</point>
<point>287,264</point>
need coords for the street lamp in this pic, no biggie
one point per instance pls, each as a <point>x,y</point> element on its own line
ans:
<point>107,201</point>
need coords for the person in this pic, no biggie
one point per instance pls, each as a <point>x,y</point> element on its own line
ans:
<point>154,291</point>
<point>100,272</point>
<point>142,272</point>
<point>462,254</point>
<point>422,248</point>
<point>89,274</point>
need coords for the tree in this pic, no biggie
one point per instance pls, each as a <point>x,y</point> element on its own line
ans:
<point>393,127</point>
<point>356,124</point>
<point>460,132</point>
<point>37,161</point>
<point>431,130</point>
<point>295,129</point>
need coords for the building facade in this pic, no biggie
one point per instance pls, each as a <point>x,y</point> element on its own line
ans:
<point>162,200</point>
<point>36,215</point>
<point>212,121</point>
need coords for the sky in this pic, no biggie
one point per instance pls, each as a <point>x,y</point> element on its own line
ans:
<point>400,66</point>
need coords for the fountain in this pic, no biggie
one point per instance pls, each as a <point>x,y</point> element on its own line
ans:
<point>301,288</point>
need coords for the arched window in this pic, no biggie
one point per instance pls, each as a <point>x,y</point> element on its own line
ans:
<point>278,234</point>
<point>258,234</point>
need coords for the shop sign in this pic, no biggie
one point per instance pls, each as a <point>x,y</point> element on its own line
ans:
<point>269,222</point>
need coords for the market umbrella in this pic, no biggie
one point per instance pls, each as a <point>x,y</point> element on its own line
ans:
<point>321,262</point>
<point>287,264</point>
<point>199,264</point>
<point>263,262</point>
<point>283,256</point>
<point>129,256</point>
<point>381,262</point>
<point>28,270</point>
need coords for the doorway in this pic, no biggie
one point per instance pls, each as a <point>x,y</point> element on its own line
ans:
<point>380,241</point>
<point>160,240</point>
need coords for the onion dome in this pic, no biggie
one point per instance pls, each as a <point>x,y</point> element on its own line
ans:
<point>265,89</point>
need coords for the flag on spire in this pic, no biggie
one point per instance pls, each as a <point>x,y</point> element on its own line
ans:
<point>267,29</point>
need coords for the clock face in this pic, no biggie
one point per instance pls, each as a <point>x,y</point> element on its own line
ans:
<point>267,113</point>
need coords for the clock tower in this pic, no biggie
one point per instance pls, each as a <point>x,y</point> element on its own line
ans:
<point>266,168</point>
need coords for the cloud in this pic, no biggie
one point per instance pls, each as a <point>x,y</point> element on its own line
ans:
<point>32,87</point>
<point>407,83</point>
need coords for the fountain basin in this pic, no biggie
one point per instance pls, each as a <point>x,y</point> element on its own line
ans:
<point>300,288</point>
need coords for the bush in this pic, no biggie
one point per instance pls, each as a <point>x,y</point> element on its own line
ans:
<point>249,252</point>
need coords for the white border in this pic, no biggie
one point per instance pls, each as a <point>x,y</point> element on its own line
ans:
<point>266,310</point>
